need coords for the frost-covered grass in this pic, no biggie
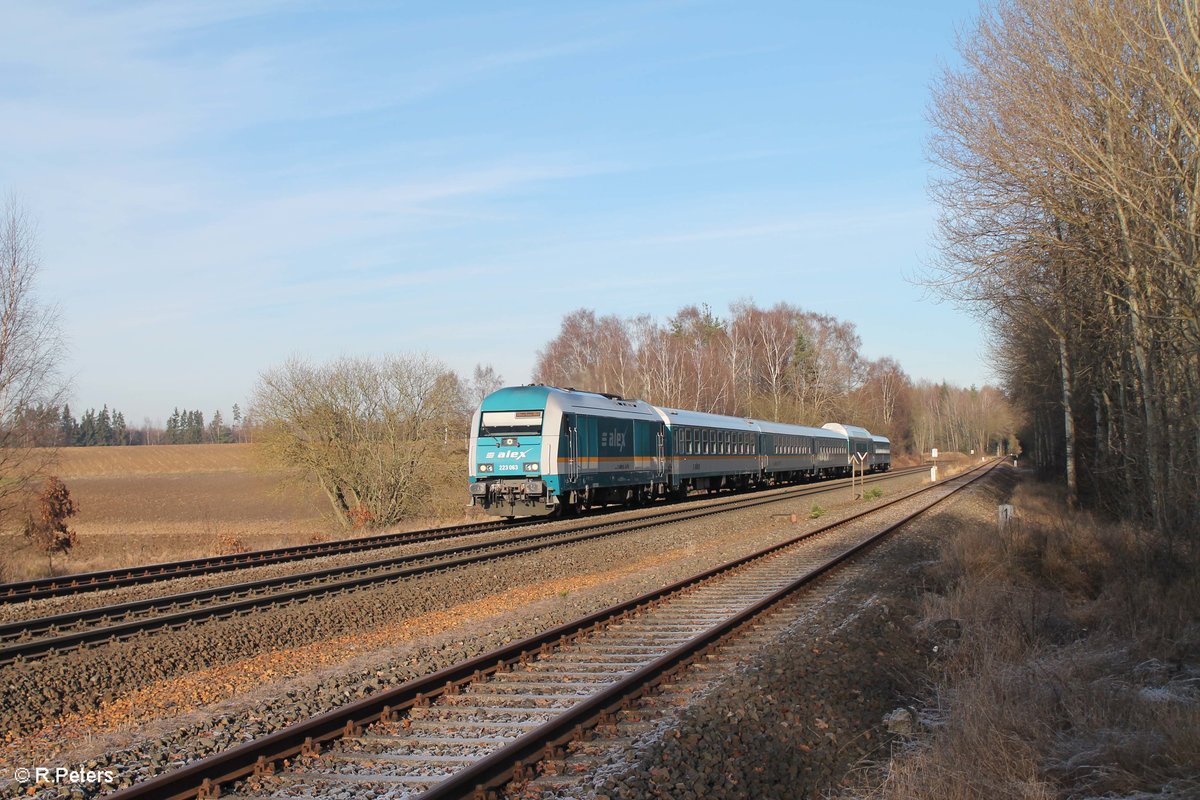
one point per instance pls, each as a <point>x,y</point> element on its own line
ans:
<point>1077,673</point>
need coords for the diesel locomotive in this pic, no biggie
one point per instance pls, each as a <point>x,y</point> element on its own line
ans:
<point>540,450</point>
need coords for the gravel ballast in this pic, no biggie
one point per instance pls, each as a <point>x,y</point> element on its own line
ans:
<point>692,546</point>
<point>792,717</point>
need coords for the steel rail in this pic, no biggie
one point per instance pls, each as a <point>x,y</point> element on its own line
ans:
<point>203,778</point>
<point>43,588</point>
<point>496,769</point>
<point>329,581</point>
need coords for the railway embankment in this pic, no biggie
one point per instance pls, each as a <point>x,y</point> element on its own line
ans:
<point>1058,656</point>
<point>1074,670</point>
<point>800,711</point>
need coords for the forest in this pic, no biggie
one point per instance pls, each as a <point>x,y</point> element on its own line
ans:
<point>780,363</point>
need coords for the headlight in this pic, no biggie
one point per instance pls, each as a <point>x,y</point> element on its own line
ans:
<point>532,466</point>
<point>487,467</point>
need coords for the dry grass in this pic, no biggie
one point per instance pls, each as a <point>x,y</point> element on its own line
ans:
<point>1078,670</point>
<point>146,504</point>
<point>142,505</point>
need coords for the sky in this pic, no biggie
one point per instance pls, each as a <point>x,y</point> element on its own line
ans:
<point>220,185</point>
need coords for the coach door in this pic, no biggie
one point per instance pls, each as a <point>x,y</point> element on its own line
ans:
<point>572,448</point>
<point>660,453</point>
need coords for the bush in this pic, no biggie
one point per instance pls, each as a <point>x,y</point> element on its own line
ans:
<point>46,527</point>
<point>230,545</point>
<point>815,512</point>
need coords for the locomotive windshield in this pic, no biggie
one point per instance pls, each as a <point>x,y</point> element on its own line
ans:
<point>510,423</point>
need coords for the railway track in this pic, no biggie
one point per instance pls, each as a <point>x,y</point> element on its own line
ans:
<point>471,728</point>
<point>39,637</point>
<point>151,573</point>
<point>59,586</point>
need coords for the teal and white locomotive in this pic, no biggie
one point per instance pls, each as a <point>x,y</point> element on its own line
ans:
<point>539,450</point>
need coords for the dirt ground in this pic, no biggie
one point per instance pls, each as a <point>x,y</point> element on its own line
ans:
<point>139,504</point>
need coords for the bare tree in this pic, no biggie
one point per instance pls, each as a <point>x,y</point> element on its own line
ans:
<point>1069,147</point>
<point>484,381</point>
<point>31,348</point>
<point>379,437</point>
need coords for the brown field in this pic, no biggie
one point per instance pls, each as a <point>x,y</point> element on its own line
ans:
<point>140,504</point>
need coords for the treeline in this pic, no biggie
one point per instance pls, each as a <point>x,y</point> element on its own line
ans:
<point>780,363</point>
<point>56,426</point>
<point>1069,142</point>
<point>187,427</point>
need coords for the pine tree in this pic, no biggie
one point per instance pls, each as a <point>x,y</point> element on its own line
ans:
<point>217,428</point>
<point>173,427</point>
<point>87,429</point>
<point>104,429</point>
<point>68,428</point>
<point>120,432</point>
<point>236,435</point>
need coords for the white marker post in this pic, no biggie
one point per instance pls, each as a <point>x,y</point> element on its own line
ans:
<point>1004,515</point>
<point>861,459</point>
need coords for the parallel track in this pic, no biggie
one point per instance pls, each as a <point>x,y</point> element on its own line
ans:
<point>43,588</point>
<point>169,570</point>
<point>467,730</point>
<point>35,638</point>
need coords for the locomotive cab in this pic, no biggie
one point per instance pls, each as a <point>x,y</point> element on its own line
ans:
<point>510,441</point>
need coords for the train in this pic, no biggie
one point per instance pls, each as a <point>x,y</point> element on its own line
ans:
<point>541,450</point>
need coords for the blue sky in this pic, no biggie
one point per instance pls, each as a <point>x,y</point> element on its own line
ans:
<point>221,185</point>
